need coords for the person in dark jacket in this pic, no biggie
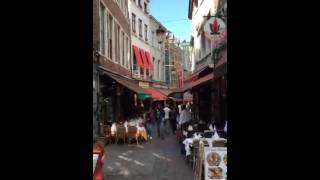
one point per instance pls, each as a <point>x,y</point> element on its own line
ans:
<point>173,119</point>
<point>158,117</point>
<point>150,121</point>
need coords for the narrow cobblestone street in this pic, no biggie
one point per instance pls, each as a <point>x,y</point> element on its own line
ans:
<point>155,160</point>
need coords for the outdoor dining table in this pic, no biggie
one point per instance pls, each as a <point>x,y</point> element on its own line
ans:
<point>141,129</point>
<point>189,141</point>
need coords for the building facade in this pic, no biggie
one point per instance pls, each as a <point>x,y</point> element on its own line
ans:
<point>208,80</point>
<point>157,50</point>
<point>202,47</point>
<point>113,97</point>
<point>188,64</point>
<point>142,63</point>
<point>177,64</point>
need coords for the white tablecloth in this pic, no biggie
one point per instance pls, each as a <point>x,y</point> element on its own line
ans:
<point>189,141</point>
<point>95,160</point>
<point>141,129</point>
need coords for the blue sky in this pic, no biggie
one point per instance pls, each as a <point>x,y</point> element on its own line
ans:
<point>173,14</point>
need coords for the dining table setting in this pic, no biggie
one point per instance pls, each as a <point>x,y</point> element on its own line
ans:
<point>137,122</point>
<point>198,136</point>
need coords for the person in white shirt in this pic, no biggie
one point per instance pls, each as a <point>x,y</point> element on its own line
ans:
<point>166,118</point>
<point>185,116</point>
<point>179,106</point>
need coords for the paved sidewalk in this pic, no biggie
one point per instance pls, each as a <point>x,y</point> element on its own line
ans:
<point>154,160</point>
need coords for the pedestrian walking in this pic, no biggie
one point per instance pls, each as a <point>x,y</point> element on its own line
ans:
<point>157,114</point>
<point>173,119</point>
<point>185,116</point>
<point>166,118</point>
<point>150,120</point>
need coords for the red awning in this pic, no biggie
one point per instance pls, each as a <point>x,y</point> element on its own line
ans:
<point>199,81</point>
<point>156,95</point>
<point>149,60</point>
<point>138,56</point>
<point>165,92</point>
<point>144,58</point>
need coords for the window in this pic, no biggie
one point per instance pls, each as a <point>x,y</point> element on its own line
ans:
<point>146,8</point>
<point>133,22</point>
<point>145,32</point>
<point>203,45</point>
<point>122,47</point>
<point>154,72</point>
<point>110,36</point>
<point>134,63</point>
<point>125,8</point>
<point>196,3</point>
<point>102,29</point>
<point>140,27</point>
<point>127,56</point>
<point>141,72</point>
<point>139,3</point>
<point>152,38</point>
<point>159,72</point>
<point>117,42</point>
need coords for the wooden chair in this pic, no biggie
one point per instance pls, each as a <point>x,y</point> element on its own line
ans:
<point>199,163</point>
<point>121,133</point>
<point>132,133</point>
<point>194,152</point>
<point>107,134</point>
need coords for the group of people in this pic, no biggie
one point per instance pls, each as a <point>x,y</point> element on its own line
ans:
<point>166,118</point>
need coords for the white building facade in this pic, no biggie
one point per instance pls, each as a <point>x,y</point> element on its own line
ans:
<point>202,47</point>
<point>157,50</point>
<point>142,65</point>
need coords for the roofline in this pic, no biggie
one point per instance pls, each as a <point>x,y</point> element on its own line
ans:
<point>153,18</point>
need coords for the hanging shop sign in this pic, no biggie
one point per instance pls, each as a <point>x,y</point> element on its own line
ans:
<point>159,86</point>
<point>143,84</point>
<point>215,163</point>
<point>214,28</point>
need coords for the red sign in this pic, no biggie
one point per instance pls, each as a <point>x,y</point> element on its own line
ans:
<point>214,28</point>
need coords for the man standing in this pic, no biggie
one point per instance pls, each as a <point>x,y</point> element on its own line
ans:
<point>173,118</point>
<point>185,116</point>
<point>166,118</point>
<point>149,122</point>
<point>157,114</point>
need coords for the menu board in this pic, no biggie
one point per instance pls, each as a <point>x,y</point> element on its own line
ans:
<point>215,163</point>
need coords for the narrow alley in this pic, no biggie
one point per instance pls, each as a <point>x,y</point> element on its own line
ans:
<point>154,160</point>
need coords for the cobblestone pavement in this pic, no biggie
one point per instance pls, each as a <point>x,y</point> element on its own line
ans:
<point>154,160</point>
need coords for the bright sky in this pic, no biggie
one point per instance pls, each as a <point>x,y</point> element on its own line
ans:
<point>173,14</point>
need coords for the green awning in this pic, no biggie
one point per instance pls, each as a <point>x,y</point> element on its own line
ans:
<point>143,96</point>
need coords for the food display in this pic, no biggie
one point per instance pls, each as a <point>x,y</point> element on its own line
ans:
<point>215,173</point>
<point>215,163</point>
<point>213,159</point>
